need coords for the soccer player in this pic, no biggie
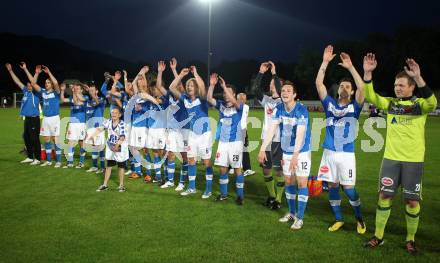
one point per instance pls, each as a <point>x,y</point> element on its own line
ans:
<point>139,131</point>
<point>199,138</point>
<point>404,153</point>
<point>338,163</point>
<point>292,120</point>
<point>230,136</point>
<point>273,152</point>
<point>116,150</point>
<point>50,129</point>
<point>246,163</point>
<point>77,124</point>
<point>177,128</point>
<point>95,106</point>
<point>31,113</point>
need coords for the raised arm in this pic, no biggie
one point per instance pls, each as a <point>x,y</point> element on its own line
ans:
<point>173,66</point>
<point>371,96</point>
<point>276,79</point>
<point>56,86</point>
<point>32,79</point>
<point>256,86</point>
<point>62,89</point>
<point>213,79</point>
<point>228,93</point>
<point>13,76</point>
<point>143,73</point>
<point>173,86</point>
<point>160,69</point>
<point>429,102</point>
<point>125,78</point>
<point>146,96</point>
<point>200,82</point>
<point>319,82</point>
<point>347,64</point>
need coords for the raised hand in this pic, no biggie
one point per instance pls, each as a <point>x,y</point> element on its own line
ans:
<point>45,69</point>
<point>125,73</point>
<point>213,79</point>
<point>272,68</point>
<point>161,66</point>
<point>345,61</point>
<point>222,82</point>
<point>144,70</point>
<point>22,65</point>
<point>173,63</point>
<point>264,67</point>
<point>194,70</point>
<point>38,69</point>
<point>328,54</point>
<point>184,72</point>
<point>63,87</point>
<point>413,69</point>
<point>8,66</point>
<point>370,62</point>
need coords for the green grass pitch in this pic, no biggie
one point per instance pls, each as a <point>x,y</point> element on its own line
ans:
<point>53,215</point>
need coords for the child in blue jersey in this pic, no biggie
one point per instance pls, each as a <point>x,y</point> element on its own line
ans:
<point>199,138</point>
<point>95,106</point>
<point>177,129</point>
<point>77,124</point>
<point>31,113</point>
<point>50,127</point>
<point>230,136</point>
<point>292,120</point>
<point>338,164</point>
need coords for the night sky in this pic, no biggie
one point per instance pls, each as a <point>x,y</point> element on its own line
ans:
<point>148,30</point>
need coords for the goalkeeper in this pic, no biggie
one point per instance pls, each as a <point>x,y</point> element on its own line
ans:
<point>404,154</point>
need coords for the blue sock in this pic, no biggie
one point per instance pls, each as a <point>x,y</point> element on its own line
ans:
<point>224,184</point>
<point>171,167</point>
<point>95,159</point>
<point>58,153</point>
<point>102,159</point>
<point>157,167</point>
<point>48,148</point>
<point>335,202</point>
<point>291,198</point>
<point>183,172</point>
<point>209,175</point>
<point>192,172</point>
<point>70,151</point>
<point>82,155</point>
<point>355,201</point>
<point>303,197</point>
<point>147,169</point>
<point>239,183</point>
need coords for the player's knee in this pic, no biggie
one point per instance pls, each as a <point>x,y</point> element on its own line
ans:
<point>334,185</point>
<point>207,162</point>
<point>412,203</point>
<point>192,161</point>
<point>171,156</point>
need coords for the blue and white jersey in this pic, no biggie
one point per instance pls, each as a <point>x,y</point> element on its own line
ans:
<point>78,112</point>
<point>29,103</point>
<point>288,122</point>
<point>95,112</point>
<point>158,114</point>
<point>139,118</point>
<point>229,127</point>
<point>114,131</point>
<point>51,103</point>
<point>198,112</point>
<point>177,114</point>
<point>341,126</point>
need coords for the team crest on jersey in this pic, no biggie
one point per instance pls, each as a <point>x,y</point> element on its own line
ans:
<point>386,181</point>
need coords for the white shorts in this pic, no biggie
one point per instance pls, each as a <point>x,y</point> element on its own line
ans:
<point>229,154</point>
<point>138,137</point>
<point>76,131</point>
<point>177,140</point>
<point>121,156</point>
<point>50,126</point>
<point>304,164</point>
<point>156,138</point>
<point>199,145</point>
<point>98,140</point>
<point>338,167</point>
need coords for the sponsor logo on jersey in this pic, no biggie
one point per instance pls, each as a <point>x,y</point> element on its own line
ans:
<point>386,181</point>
